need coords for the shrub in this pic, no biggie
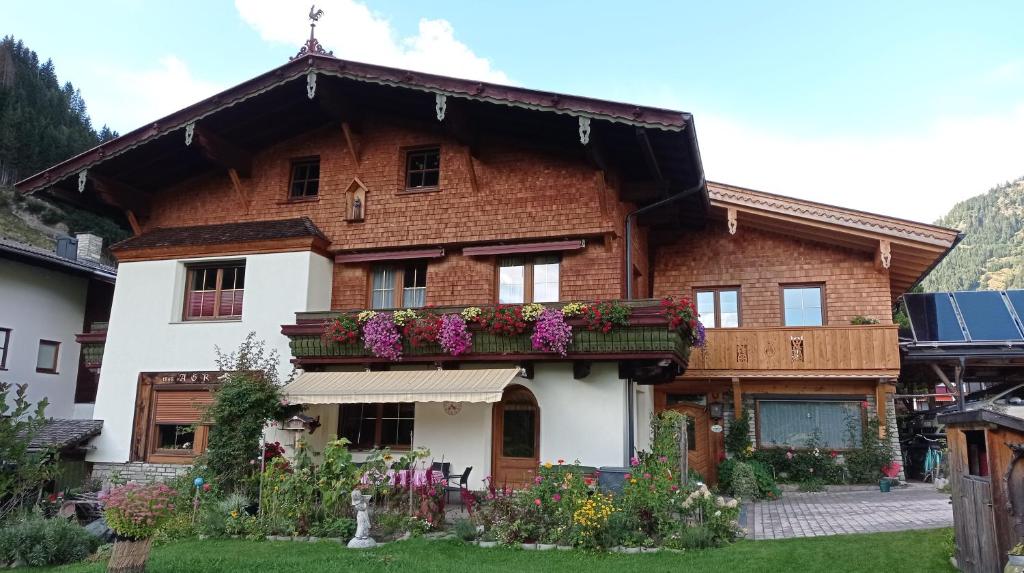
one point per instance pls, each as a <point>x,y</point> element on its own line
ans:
<point>465,530</point>
<point>737,436</point>
<point>861,319</point>
<point>865,463</point>
<point>137,511</point>
<point>763,476</point>
<point>340,527</point>
<point>24,472</point>
<point>744,483</point>
<point>37,541</point>
<point>693,537</point>
<point>811,485</point>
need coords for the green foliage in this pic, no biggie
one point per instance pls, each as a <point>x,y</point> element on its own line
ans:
<point>864,464</point>
<point>737,436</point>
<point>138,511</point>
<point>241,408</point>
<point>860,319</point>
<point>339,528</point>
<point>991,255</point>
<point>25,472</point>
<point>697,537</point>
<point>744,484</point>
<point>811,485</point>
<point>465,529</point>
<point>36,541</point>
<point>763,476</point>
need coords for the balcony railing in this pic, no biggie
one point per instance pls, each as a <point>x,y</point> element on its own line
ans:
<point>93,342</point>
<point>647,337</point>
<point>867,349</point>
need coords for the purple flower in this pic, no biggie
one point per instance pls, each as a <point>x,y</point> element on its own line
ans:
<point>699,336</point>
<point>381,337</point>
<point>454,336</point>
<point>551,333</point>
<point>634,461</point>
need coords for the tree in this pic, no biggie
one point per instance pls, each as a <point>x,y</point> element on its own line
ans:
<point>22,472</point>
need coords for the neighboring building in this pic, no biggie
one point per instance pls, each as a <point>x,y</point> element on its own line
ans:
<point>48,298</point>
<point>326,185</point>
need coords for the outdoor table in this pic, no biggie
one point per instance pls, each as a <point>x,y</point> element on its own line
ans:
<point>401,477</point>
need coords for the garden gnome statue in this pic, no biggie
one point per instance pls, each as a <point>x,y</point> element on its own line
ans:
<point>362,538</point>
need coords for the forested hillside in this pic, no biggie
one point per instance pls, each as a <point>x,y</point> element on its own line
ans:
<point>42,122</point>
<point>991,255</point>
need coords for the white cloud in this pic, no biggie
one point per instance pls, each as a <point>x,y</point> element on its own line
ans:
<point>352,31</point>
<point>126,99</point>
<point>916,176</point>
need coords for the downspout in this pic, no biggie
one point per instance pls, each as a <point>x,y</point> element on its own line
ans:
<point>630,384</point>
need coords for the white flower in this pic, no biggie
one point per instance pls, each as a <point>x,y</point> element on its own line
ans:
<point>717,513</point>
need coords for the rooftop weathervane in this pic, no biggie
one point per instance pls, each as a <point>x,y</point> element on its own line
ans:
<point>312,45</point>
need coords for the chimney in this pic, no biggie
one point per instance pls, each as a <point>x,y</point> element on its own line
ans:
<point>67,248</point>
<point>89,247</point>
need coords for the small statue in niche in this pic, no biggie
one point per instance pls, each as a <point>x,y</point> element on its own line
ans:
<point>362,539</point>
<point>357,209</point>
<point>355,199</point>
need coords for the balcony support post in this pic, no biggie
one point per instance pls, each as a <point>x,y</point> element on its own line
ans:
<point>737,397</point>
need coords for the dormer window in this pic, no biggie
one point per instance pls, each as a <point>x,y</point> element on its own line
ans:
<point>305,182</point>
<point>422,168</point>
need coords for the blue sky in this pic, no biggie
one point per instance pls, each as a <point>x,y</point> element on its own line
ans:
<point>896,107</point>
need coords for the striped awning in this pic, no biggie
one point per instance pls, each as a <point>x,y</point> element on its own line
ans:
<point>484,385</point>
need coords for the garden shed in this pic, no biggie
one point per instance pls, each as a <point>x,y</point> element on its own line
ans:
<point>987,479</point>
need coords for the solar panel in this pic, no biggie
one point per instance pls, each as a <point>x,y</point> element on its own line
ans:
<point>933,317</point>
<point>986,316</point>
<point>1016,301</point>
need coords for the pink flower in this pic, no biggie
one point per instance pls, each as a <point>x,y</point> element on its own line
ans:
<point>647,475</point>
<point>206,487</point>
<point>557,497</point>
<point>662,459</point>
<point>537,502</point>
<point>537,480</point>
<point>629,476</point>
<point>634,461</point>
<point>789,455</point>
<point>675,488</point>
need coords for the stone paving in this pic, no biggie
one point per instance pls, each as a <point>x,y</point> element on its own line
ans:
<point>916,506</point>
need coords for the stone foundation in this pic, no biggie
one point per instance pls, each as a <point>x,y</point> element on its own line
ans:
<point>141,472</point>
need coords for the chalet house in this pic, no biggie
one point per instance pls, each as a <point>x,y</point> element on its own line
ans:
<point>50,301</point>
<point>327,187</point>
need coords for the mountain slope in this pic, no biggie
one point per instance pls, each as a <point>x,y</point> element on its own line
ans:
<point>991,256</point>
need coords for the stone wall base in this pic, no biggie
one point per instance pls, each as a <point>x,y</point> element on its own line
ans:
<point>141,472</point>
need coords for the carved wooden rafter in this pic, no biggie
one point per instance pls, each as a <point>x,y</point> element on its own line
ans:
<point>222,152</point>
<point>731,220</point>
<point>883,256</point>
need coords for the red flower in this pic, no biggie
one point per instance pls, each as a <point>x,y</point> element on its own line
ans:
<point>537,502</point>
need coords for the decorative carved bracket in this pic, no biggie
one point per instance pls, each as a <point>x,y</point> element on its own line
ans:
<point>190,131</point>
<point>796,348</point>
<point>742,354</point>
<point>83,176</point>
<point>584,129</point>
<point>883,259</point>
<point>311,84</point>
<point>731,214</point>
<point>440,105</point>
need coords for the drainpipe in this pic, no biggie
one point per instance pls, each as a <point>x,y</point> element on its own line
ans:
<point>630,385</point>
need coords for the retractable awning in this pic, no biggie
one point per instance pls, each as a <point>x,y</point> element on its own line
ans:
<point>485,385</point>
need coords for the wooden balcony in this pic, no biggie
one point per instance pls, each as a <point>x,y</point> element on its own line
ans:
<point>854,351</point>
<point>93,342</point>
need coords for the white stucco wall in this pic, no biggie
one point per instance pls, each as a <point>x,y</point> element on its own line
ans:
<point>37,303</point>
<point>146,333</point>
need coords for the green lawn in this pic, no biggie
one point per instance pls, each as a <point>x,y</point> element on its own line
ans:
<point>916,551</point>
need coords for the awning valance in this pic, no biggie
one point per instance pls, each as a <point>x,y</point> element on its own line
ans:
<point>484,385</point>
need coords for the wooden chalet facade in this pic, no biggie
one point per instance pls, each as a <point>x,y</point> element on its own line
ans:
<point>326,186</point>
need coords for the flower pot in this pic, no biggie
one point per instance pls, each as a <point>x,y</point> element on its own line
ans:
<point>650,550</point>
<point>1014,564</point>
<point>545,546</point>
<point>312,539</point>
<point>488,544</point>
<point>631,550</point>
<point>884,485</point>
<point>528,546</point>
<point>564,547</point>
<point>129,556</point>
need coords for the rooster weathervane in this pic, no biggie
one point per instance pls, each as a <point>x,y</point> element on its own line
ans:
<point>312,46</point>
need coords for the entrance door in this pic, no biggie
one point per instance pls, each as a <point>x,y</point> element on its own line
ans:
<point>515,448</point>
<point>698,437</point>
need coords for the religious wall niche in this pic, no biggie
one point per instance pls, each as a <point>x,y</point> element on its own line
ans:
<point>355,201</point>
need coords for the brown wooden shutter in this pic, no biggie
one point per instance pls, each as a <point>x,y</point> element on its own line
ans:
<point>184,407</point>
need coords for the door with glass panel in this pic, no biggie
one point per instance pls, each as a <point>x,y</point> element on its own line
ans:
<point>697,436</point>
<point>515,447</point>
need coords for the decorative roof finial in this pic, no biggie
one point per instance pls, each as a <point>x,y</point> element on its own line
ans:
<point>312,45</point>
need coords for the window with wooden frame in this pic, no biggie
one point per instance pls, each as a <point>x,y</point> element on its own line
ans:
<point>47,356</point>
<point>523,279</point>
<point>718,307</point>
<point>214,291</point>
<point>169,415</point>
<point>305,179</point>
<point>793,423</point>
<point>422,168</point>
<point>5,343</point>
<point>803,305</point>
<point>399,285</point>
<point>370,426</point>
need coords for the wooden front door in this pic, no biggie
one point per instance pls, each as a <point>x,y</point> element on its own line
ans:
<point>698,430</point>
<point>515,447</point>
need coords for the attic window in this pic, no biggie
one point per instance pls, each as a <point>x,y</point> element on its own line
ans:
<point>423,168</point>
<point>305,182</point>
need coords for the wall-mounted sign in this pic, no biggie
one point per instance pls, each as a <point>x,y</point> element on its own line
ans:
<point>717,428</point>
<point>452,408</point>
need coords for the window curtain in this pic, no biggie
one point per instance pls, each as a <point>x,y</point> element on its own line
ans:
<point>511,279</point>
<point>786,423</point>
<point>383,288</point>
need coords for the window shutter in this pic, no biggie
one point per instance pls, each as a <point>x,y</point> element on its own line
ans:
<point>181,407</point>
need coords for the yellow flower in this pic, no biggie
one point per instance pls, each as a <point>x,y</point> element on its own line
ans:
<point>547,465</point>
<point>234,514</point>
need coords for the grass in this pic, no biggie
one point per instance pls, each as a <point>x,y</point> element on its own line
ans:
<point>919,551</point>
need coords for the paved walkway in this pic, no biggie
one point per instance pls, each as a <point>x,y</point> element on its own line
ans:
<point>917,506</point>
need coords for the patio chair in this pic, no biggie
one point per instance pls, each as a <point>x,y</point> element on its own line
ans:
<point>444,467</point>
<point>463,483</point>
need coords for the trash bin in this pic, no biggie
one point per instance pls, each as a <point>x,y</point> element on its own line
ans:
<point>884,485</point>
<point>612,478</point>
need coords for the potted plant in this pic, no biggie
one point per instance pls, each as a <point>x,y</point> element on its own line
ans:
<point>890,471</point>
<point>1015,559</point>
<point>488,539</point>
<point>135,512</point>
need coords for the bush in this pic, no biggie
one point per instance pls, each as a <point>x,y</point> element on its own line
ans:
<point>865,463</point>
<point>36,541</point>
<point>341,527</point>
<point>138,511</point>
<point>763,476</point>
<point>694,537</point>
<point>465,530</point>
<point>737,437</point>
<point>744,483</point>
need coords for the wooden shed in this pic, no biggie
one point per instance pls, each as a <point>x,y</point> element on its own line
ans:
<point>985,448</point>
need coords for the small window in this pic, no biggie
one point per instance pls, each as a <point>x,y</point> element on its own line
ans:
<point>719,307</point>
<point>399,286</point>
<point>305,183</point>
<point>422,168</point>
<point>46,359</point>
<point>794,423</point>
<point>528,279</point>
<point>369,426</point>
<point>977,453</point>
<point>5,342</point>
<point>179,438</point>
<point>802,305</point>
<point>215,292</point>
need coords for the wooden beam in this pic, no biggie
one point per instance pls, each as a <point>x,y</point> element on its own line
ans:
<point>880,402</point>
<point>737,397</point>
<point>236,183</point>
<point>337,105</point>
<point>353,148</point>
<point>223,152</point>
<point>471,166</point>
<point>134,222</point>
<point>120,195</point>
<point>883,256</point>
<point>460,125</point>
<point>652,160</point>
